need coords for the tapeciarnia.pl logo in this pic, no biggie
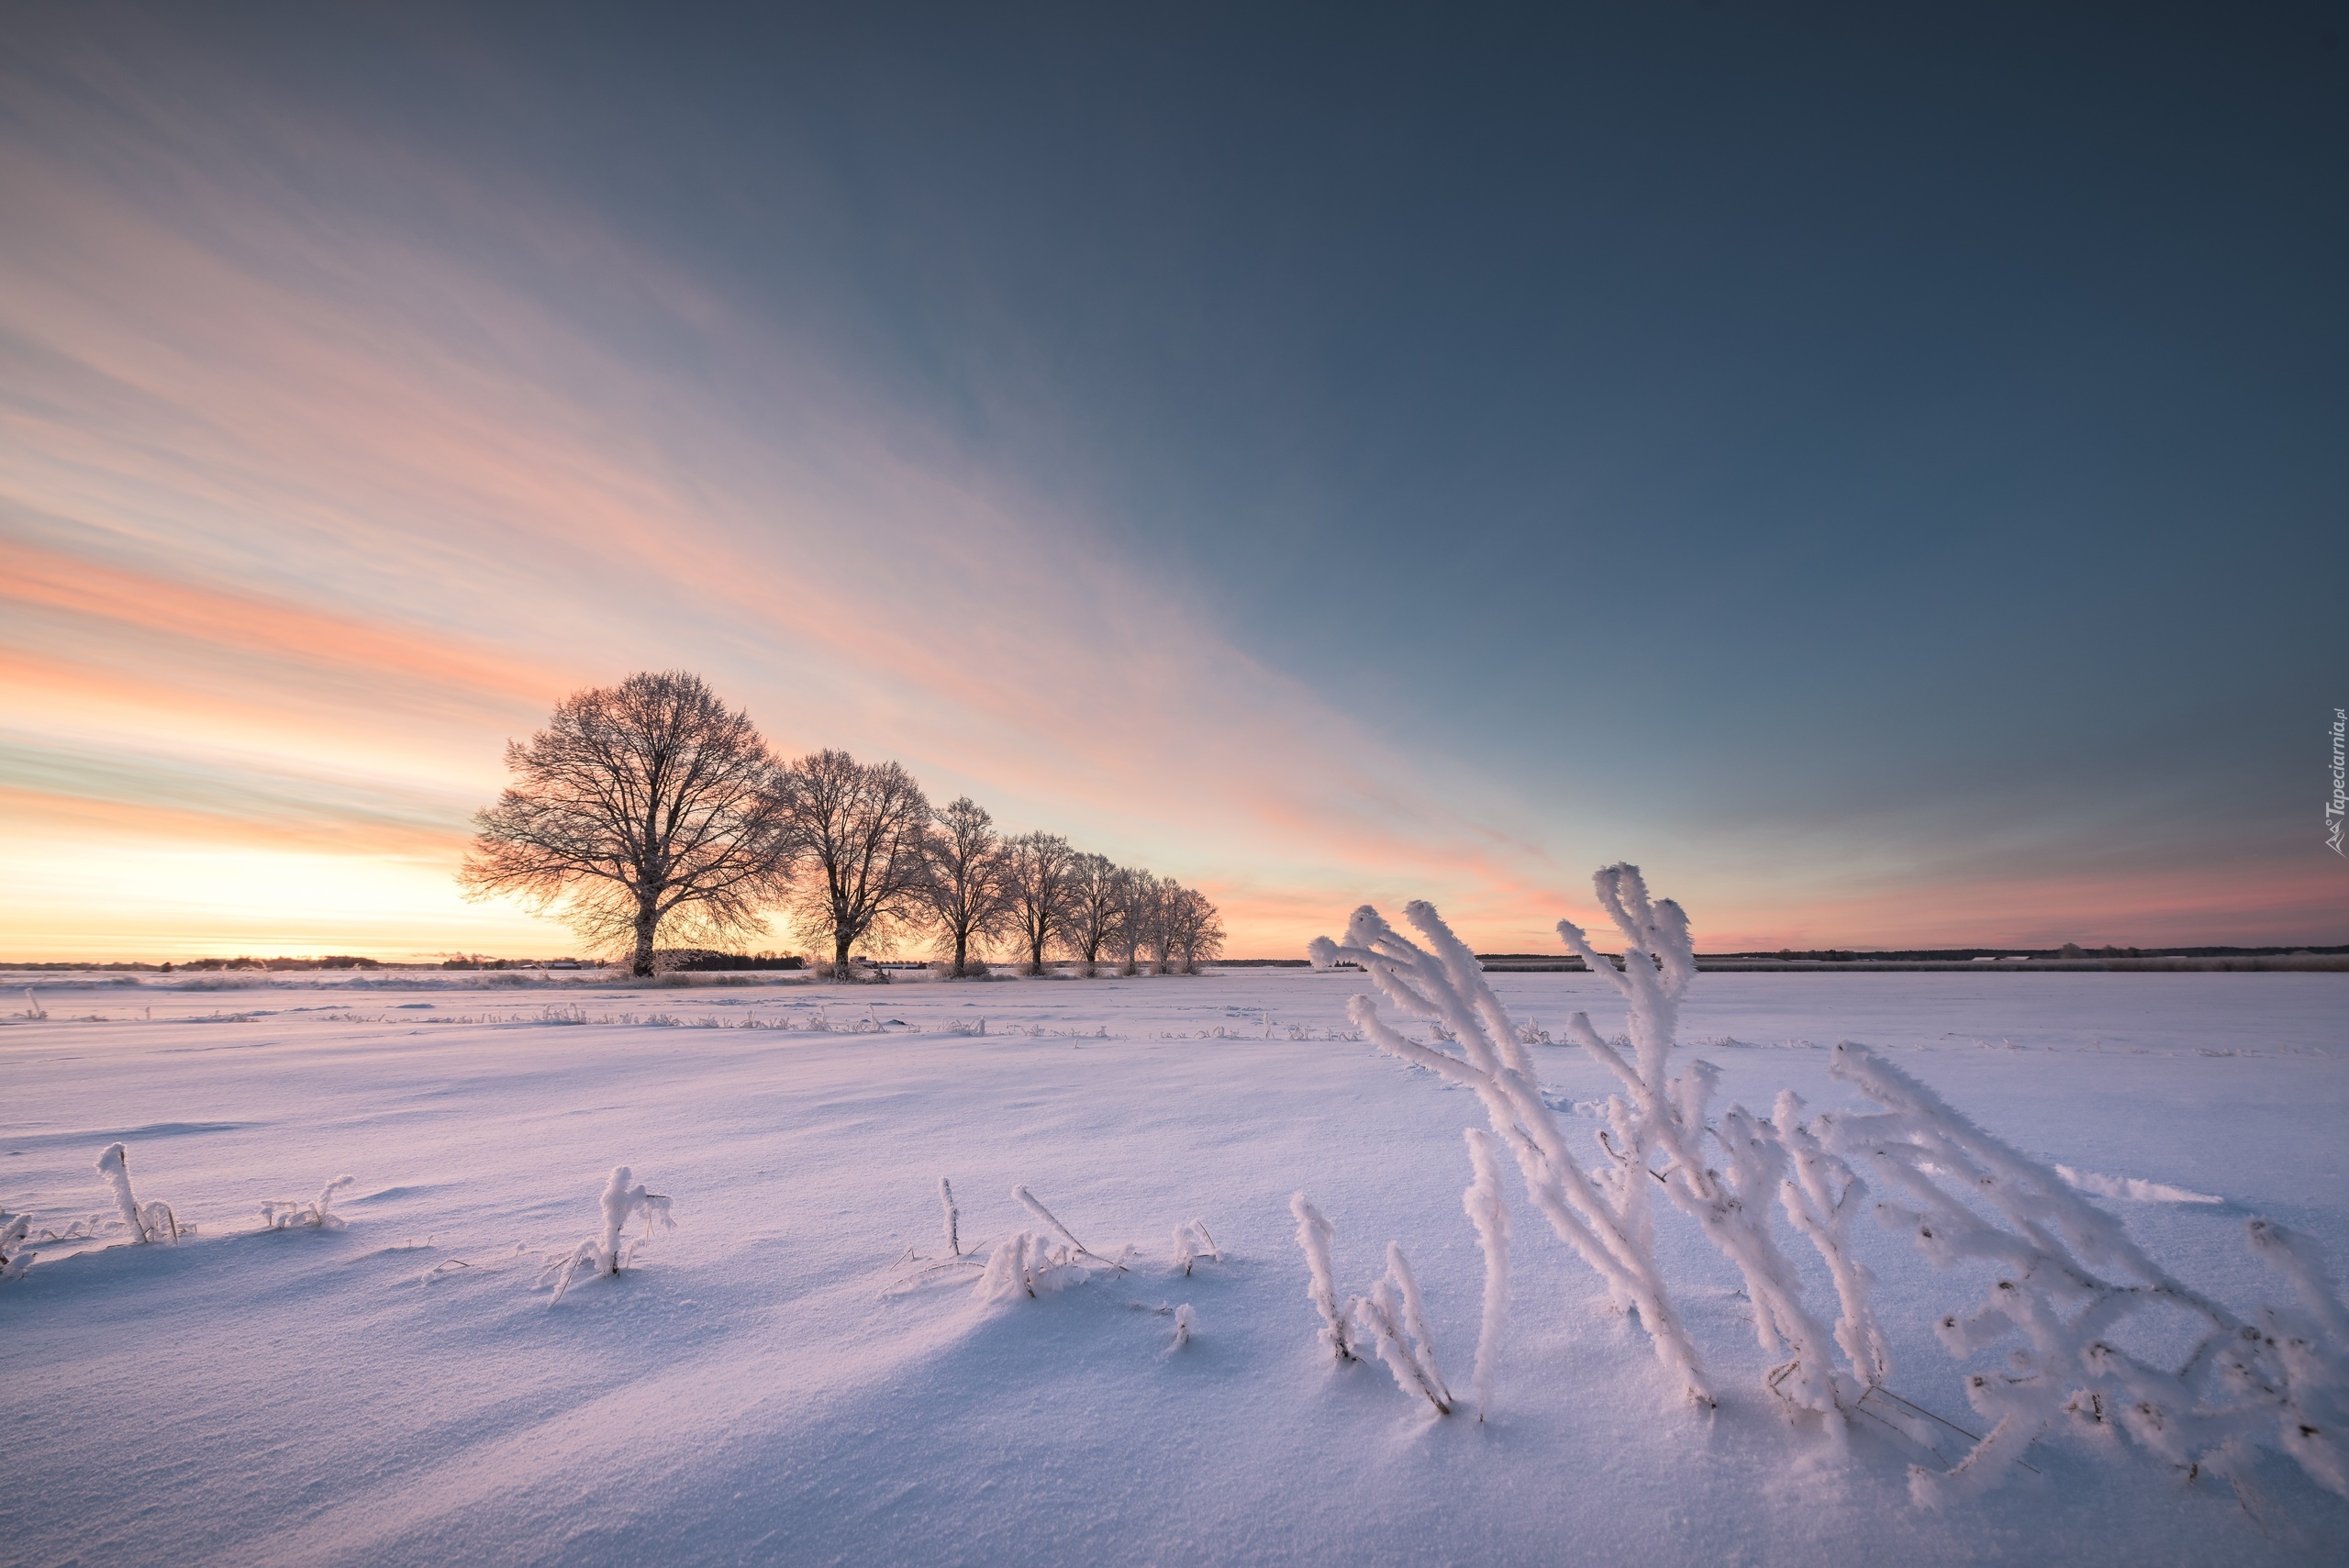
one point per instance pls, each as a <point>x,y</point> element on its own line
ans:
<point>2333,809</point>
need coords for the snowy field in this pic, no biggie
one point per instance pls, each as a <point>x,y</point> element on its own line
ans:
<point>761,1388</point>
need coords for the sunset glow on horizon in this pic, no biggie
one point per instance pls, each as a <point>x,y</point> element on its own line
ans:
<point>340,443</point>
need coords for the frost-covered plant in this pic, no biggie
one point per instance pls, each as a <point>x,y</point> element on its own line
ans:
<point>1654,1139</point>
<point>317,1215</point>
<point>1399,1332</point>
<point>950,1217</point>
<point>1396,1330</point>
<point>1021,1266</point>
<point>1489,1215</point>
<point>1444,985</point>
<point>15,1256</point>
<point>1192,1242</point>
<point>608,1252</point>
<point>1186,1323</point>
<point>146,1222</point>
<point>2067,1279</point>
<point>1314,1233</point>
<point>1026,1265</point>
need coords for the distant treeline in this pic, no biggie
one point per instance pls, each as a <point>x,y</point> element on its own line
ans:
<point>653,802</point>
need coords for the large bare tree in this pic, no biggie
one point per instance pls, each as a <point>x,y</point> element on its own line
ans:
<point>1096,905</point>
<point>861,831</point>
<point>1041,864</point>
<point>969,892</point>
<point>639,803</point>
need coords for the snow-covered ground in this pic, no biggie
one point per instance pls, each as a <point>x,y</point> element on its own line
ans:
<point>755,1390</point>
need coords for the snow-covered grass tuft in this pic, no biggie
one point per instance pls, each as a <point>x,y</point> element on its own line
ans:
<point>1027,1263</point>
<point>15,1256</point>
<point>1186,1323</point>
<point>145,1222</point>
<point>609,1251</point>
<point>1192,1242</point>
<point>317,1215</point>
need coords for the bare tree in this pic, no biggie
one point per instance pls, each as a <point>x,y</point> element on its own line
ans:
<point>1137,906</point>
<point>861,832</point>
<point>1041,867</point>
<point>1195,931</point>
<point>968,895</point>
<point>1096,905</point>
<point>638,803</point>
<point>1156,906</point>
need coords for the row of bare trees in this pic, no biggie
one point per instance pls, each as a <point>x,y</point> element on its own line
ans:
<point>650,808</point>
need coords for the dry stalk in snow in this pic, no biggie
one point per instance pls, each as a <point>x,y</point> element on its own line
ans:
<point>608,1252</point>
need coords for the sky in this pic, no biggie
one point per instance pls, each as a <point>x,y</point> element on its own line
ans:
<point>1882,470</point>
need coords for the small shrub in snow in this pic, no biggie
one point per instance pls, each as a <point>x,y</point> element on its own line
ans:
<point>317,1215</point>
<point>15,1256</point>
<point>1192,1242</point>
<point>609,1251</point>
<point>1027,1263</point>
<point>2069,1279</point>
<point>1186,1323</point>
<point>1605,1220</point>
<point>145,1222</point>
<point>1396,1330</point>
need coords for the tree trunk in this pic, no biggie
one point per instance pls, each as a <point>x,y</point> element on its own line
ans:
<point>961,951</point>
<point>647,920</point>
<point>841,941</point>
